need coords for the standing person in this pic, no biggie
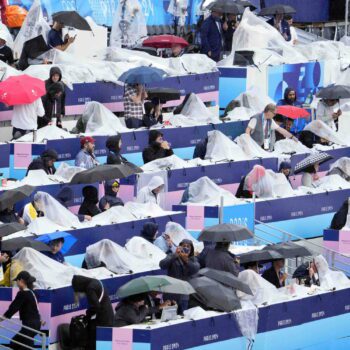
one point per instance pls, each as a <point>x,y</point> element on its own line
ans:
<point>89,205</point>
<point>212,36</point>
<point>86,157</point>
<point>45,162</point>
<point>325,112</point>
<point>278,22</point>
<point>275,275</point>
<point>55,37</point>
<point>134,97</point>
<point>262,127</point>
<point>157,147</point>
<point>100,311</point>
<point>229,26</point>
<point>293,33</point>
<point>149,231</point>
<point>151,192</point>
<point>182,265</point>
<point>114,145</point>
<point>25,118</point>
<point>27,305</point>
<point>6,54</point>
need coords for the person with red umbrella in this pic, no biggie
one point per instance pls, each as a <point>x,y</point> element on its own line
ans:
<point>173,42</point>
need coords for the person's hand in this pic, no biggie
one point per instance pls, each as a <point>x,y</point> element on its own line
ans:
<point>209,53</point>
<point>295,139</point>
<point>311,272</point>
<point>87,217</point>
<point>283,277</point>
<point>71,39</point>
<point>165,145</point>
<point>21,221</point>
<point>225,26</point>
<point>3,259</point>
<point>165,304</point>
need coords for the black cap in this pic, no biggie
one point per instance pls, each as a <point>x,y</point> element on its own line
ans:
<point>25,276</point>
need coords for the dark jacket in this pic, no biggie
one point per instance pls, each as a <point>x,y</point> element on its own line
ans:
<point>93,290</point>
<point>65,197</point>
<point>149,231</point>
<point>89,205</point>
<point>154,151</point>
<point>241,192</point>
<point>201,149</point>
<point>49,82</point>
<point>271,276</point>
<point>285,101</point>
<point>127,314</point>
<point>340,217</point>
<point>228,35</point>
<point>8,216</point>
<point>150,120</point>
<point>41,162</point>
<point>284,27</point>
<point>221,260</point>
<point>114,156</point>
<point>211,38</point>
<point>110,197</point>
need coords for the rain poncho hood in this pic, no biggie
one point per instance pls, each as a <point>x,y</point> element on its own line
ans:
<point>90,194</point>
<point>112,143</point>
<point>143,249</point>
<point>343,164</point>
<point>258,182</point>
<point>155,182</point>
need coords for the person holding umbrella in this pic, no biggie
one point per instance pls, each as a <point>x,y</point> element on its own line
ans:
<point>326,112</point>
<point>134,97</point>
<point>285,168</point>
<point>55,37</point>
<point>229,27</point>
<point>279,23</point>
<point>55,252</point>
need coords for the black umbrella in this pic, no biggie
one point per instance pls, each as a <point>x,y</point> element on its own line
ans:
<point>11,197</point>
<point>289,250</point>
<point>225,233</point>
<point>35,47</point>
<point>226,278</point>
<point>245,3</point>
<point>71,19</point>
<point>302,271</point>
<point>226,6</point>
<point>334,92</point>
<point>215,295</point>
<point>277,9</point>
<point>8,229</point>
<point>23,242</point>
<point>105,172</point>
<point>164,94</point>
<point>259,256</point>
<point>311,160</point>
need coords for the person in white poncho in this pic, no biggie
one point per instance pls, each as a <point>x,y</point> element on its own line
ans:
<point>151,192</point>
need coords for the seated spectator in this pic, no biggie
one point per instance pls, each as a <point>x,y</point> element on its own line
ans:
<point>182,265</point>
<point>151,192</point>
<point>54,39</point>
<point>5,265</point>
<point>86,157</point>
<point>308,138</point>
<point>325,112</point>
<point>293,33</point>
<point>149,231</point>
<point>155,304</point>
<point>221,259</point>
<point>25,118</point>
<point>153,113</point>
<point>254,265</point>
<point>177,50</point>
<point>201,149</point>
<point>55,252</point>
<point>6,54</point>
<point>89,205</point>
<point>229,27</point>
<point>340,217</point>
<point>114,145</point>
<point>134,97</point>
<point>289,98</point>
<point>45,162</point>
<point>110,198</point>
<point>306,274</point>
<point>310,175</point>
<point>157,147</point>
<point>9,215</point>
<point>32,211</point>
<point>281,25</point>
<point>274,274</point>
<point>285,169</point>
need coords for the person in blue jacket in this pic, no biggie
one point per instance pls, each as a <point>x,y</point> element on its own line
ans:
<point>278,22</point>
<point>212,36</point>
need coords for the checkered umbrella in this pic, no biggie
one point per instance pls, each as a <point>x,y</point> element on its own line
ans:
<point>311,160</point>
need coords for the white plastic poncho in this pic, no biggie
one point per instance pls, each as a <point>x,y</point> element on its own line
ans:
<point>171,162</point>
<point>116,258</point>
<point>43,225</point>
<point>254,100</point>
<point>288,146</point>
<point>49,132</point>
<point>343,164</point>
<point>281,187</point>
<point>331,182</point>
<point>143,249</point>
<point>250,147</point>
<point>6,35</point>
<point>258,182</point>
<point>55,211</point>
<point>221,147</point>
<point>129,26</point>
<point>51,274</point>
<point>146,210</point>
<point>36,178</point>
<point>99,120</point>
<point>330,279</point>
<point>145,194</point>
<point>205,192</point>
<point>111,216</point>
<point>65,172</point>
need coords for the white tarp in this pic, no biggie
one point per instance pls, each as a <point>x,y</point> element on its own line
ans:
<point>146,210</point>
<point>288,146</point>
<point>114,215</point>
<point>251,148</point>
<point>143,249</point>
<point>343,164</point>
<point>65,172</point>
<point>49,132</point>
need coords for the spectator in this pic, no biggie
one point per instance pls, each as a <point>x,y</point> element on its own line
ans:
<point>134,97</point>
<point>45,162</point>
<point>325,112</point>
<point>293,33</point>
<point>149,231</point>
<point>157,147</point>
<point>212,36</point>
<point>229,26</point>
<point>55,37</point>
<point>262,128</point>
<point>340,217</point>
<point>253,265</point>
<point>289,98</point>
<point>25,118</point>
<point>114,145</point>
<point>89,205</point>
<point>6,54</point>
<point>281,25</point>
<point>31,212</point>
<point>110,198</point>
<point>55,252</point>
<point>285,169</point>
<point>27,305</point>
<point>5,265</point>
<point>153,113</point>
<point>86,157</point>
<point>99,312</point>
<point>9,215</point>
<point>275,275</point>
<point>176,50</point>
<point>310,175</point>
<point>151,192</point>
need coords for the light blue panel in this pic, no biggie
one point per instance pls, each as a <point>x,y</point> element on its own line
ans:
<point>194,234</point>
<point>275,79</point>
<point>102,160</point>
<point>240,215</point>
<point>230,344</point>
<point>104,345</point>
<point>184,153</point>
<point>5,172</point>
<point>140,346</point>
<point>210,221</point>
<point>17,173</point>
<point>75,260</point>
<point>229,89</point>
<point>135,158</point>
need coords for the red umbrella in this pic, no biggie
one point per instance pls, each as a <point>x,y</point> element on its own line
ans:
<point>21,89</point>
<point>292,112</point>
<point>164,41</point>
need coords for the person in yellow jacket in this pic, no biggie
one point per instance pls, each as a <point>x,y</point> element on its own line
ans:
<point>11,267</point>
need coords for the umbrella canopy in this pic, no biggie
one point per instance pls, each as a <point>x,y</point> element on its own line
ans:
<point>23,242</point>
<point>142,75</point>
<point>226,278</point>
<point>277,10</point>
<point>292,112</point>
<point>334,92</point>
<point>225,233</point>
<point>214,294</point>
<point>8,229</point>
<point>259,256</point>
<point>302,271</point>
<point>226,6</point>
<point>21,89</point>
<point>164,94</point>
<point>69,240</point>
<point>164,41</point>
<point>245,3</point>
<point>71,19</point>
<point>311,160</point>
<point>289,250</point>
<point>35,47</point>
<point>11,197</point>
<point>105,172</point>
<point>176,286</point>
